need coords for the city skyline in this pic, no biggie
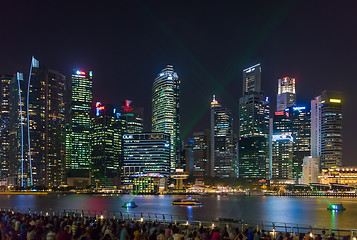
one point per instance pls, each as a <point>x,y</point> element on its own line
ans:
<point>200,59</point>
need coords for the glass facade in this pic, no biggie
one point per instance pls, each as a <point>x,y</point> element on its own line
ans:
<point>326,129</point>
<point>5,81</point>
<point>254,110</point>
<point>166,110</point>
<point>282,157</point>
<point>78,157</point>
<point>106,147</point>
<point>286,93</point>
<point>145,153</point>
<point>201,154</point>
<point>222,146</point>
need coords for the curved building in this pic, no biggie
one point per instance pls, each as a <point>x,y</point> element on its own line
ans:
<point>166,109</point>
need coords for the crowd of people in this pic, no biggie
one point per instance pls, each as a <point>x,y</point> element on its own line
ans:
<point>17,226</point>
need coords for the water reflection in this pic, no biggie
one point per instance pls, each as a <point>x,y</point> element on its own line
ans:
<point>301,210</point>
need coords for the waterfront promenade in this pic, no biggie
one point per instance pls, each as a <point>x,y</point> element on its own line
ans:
<point>72,225</point>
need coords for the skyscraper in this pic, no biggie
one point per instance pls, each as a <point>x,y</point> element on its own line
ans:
<point>19,166</point>
<point>286,93</point>
<point>106,146</point>
<point>166,109</point>
<point>282,159</point>
<point>252,80</point>
<point>294,122</point>
<point>253,127</point>
<point>133,118</point>
<point>326,129</point>
<point>201,154</point>
<point>78,157</point>
<point>145,153</point>
<point>4,126</point>
<point>46,125</point>
<point>222,145</point>
<point>54,131</point>
<point>37,112</point>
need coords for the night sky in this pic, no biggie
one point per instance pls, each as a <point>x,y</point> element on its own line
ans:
<point>208,42</point>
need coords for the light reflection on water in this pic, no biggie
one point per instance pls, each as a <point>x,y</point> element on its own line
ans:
<point>300,210</point>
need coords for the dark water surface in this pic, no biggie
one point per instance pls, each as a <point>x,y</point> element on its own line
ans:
<point>301,210</point>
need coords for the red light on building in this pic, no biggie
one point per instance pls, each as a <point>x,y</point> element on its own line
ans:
<point>279,113</point>
<point>127,107</point>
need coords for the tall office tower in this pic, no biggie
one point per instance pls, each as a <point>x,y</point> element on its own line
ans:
<point>188,154</point>
<point>295,122</point>
<point>37,127</point>
<point>5,81</point>
<point>46,125</point>
<point>222,145</point>
<point>134,122</point>
<point>145,153</point>
<point>201,154</point>
<point>301,133</point>
<point>286,93</point>
<point>326,128</point>
<point>166,109</point>
<point>253,147</point>
<point>54,128</point>
<point>252,80</point>
<point>106,146</point>
<point>78,158</point>
<point>282,157</point>
<point>18,157</point>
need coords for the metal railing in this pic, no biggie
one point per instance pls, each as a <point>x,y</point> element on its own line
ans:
<point>272,227</point>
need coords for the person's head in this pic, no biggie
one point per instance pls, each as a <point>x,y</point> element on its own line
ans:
<point>323,232</point>
<point>332,234</point>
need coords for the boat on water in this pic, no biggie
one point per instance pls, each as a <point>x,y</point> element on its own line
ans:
<point>187,202</point>
<point>129,205</point>
<point>336,207</point>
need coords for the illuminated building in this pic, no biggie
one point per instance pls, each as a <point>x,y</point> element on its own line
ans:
<point>346,175</point>
<point>222,145</point>
<point>253,148</point>
<point>252,153</point>
<point>166,110</point>
<point>310,170</point>
<point>54,129</point>
<point>46,126</point>
<point>133,118</point>
<point>326,129</point>
<point>282,157</point>
<point>145,153</point>
<point>36,134</point>
<point>201,154</point>
<point>78,157</point>
<point>106,146</point>
<point>37,115</point>
<point>296,122</point>
<point>18,160</point>
<point>252,82</point>
<point>149,183</point>
<point>187,157</point>
<point>5,81</point>
<point>286,93</point>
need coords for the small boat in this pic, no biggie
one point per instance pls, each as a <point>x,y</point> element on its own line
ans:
<point>187,202</point>
<point>336,207</point>
<point>129,205</point>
